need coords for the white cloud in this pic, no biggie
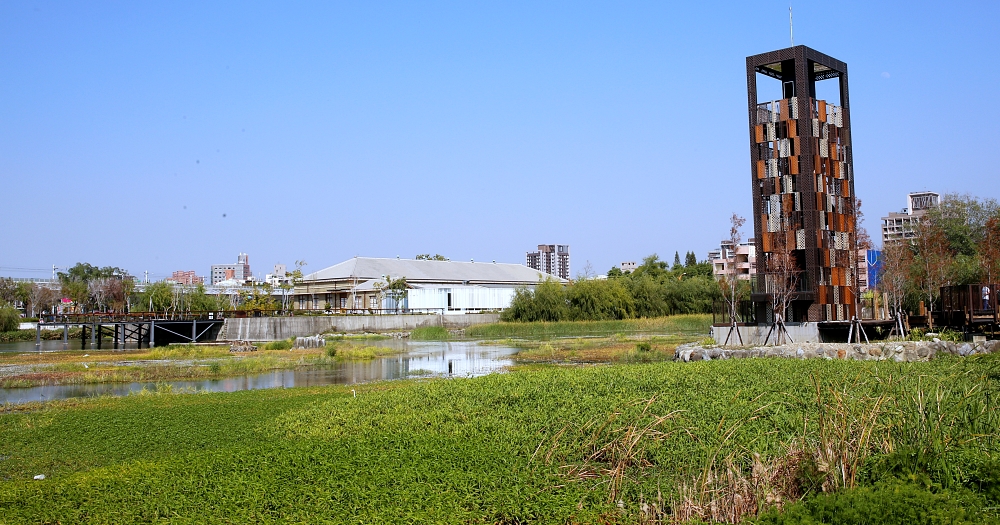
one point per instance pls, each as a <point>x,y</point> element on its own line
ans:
<point>885,74</point>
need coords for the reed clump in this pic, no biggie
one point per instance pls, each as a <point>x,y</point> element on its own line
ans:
<point>684,324</point>
<point>430,333</point>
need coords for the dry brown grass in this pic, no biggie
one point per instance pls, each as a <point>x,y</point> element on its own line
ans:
<point>728,493</point>
<point>847,425</point>
<point>611,449</point>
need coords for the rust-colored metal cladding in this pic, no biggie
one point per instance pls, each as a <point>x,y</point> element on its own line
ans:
<point>803,183</point>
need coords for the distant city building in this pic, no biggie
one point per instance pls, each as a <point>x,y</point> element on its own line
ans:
<point>550,258</point>
<point>238,272</point>
<point>628,266</point>
<point>187,278</point>
<point>903,225</point>
<point>278,277</point>
<point>746,259</point>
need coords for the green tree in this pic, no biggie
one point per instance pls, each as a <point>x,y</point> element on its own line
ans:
<point>257,297</point>
<point>546,302</point>
<point>8,291</point>
<point>690,295</point>
<point>961,220</point>
<point>429,257</point>
<point>599,299</point>
<point>652,266</point>
<point>76,283</point>
<point>690,260</point>
<point>397,291</point>
<point>615,272</point>
<point>10,318</point>
<point>649,296</point>
<point>200,301</point>
<point>156,297</point>
<point>677,261</point>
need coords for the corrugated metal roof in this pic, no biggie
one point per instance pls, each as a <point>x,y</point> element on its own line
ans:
<point>364,268</point>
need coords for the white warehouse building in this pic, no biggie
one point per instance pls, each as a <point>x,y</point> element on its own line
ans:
<point>449,287</point>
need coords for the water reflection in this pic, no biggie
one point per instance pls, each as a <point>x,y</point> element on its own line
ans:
<point>59,346</point>
<point>421,359</point>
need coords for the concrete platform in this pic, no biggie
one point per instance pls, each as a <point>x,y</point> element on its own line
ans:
<point>754,335</point>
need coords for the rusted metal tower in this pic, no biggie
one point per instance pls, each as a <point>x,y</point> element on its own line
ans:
<point>803,183</point>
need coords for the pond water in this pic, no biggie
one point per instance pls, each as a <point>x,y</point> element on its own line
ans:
<point>58,346</point>
<point>420,359</point>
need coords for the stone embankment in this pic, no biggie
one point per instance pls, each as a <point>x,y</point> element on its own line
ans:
<point>899,351</point>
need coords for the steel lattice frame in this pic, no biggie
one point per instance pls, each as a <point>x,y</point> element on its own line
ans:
<point>804,159</point>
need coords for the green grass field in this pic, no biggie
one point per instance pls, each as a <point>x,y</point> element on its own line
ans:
<point>628,443</point>
<point>675,324</point>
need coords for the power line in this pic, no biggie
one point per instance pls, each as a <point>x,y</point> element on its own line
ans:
<point>25,269</point>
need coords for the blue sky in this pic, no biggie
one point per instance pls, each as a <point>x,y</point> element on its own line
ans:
<point>164,136</point>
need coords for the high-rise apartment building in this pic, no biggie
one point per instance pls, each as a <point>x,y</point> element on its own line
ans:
<point>899,226</point>
<point>239,271</point>
<point>550,258</point>
<point>803,182</point>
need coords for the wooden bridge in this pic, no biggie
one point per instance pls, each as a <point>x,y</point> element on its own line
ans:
<point>144,328</point>
<point>964,308</point>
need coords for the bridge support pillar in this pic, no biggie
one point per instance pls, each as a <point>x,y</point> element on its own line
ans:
<point>65,336</point>
<point>38,337</point>
<point>152,334</point>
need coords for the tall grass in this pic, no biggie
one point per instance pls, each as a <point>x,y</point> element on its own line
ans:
<point>688,323</point>
<point>185,352</point>
<point>360,353</point>
<point>430,333</point>
<point>284,344</point>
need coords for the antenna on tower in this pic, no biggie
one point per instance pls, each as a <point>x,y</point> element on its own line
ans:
<point>791,33</point>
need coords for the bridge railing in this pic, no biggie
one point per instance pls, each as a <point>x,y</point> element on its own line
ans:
<point>118,317</point>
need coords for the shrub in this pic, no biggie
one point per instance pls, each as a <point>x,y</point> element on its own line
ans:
<point>10,318</point>
<point>284,344</point>
<point>888,503</point>
<point>643,347</point>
